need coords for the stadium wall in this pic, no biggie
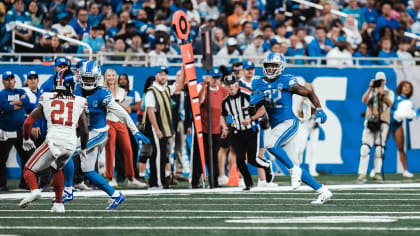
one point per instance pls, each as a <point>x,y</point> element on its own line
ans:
<point>340,91</point>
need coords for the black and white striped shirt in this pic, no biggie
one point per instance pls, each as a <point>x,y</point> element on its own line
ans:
<point>237,107</point>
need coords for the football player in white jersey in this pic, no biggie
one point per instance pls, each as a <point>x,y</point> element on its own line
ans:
<point>64,112</point>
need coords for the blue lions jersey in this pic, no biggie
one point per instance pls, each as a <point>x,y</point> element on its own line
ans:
<point>97,106</point>
<point>278,98</point>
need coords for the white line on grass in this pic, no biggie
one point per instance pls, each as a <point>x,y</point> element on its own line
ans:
<point>267,198</point>
<point>209,228</point>
<point>226,211</point>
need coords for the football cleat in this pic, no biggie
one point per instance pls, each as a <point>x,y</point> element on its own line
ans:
<point>295,177</point>
<point>323,197</point>
<point>269,177</point>
<point>116,201</point>
<point>135,183</point>
<point>67,196</point>
<point>361,178</point>
<point>113,183</point>
<point>58,208</point>
<point>33,196</point>
<point>82,186</point>
<point>407,174</point>
<point>378,177</point>
<point>222,180</point>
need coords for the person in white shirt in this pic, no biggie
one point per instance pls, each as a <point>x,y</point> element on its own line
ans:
<point>255,49</point>
<point>158,56</point>
<point>225,54</point>
<point>340,55</point>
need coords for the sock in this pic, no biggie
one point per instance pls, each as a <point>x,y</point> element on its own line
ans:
<point>142,174</point>
<point>30,179</point>
<point>115,194</point>
<point>167,173</point>
<point>58,183</point>
<point>309,180</point>
<point>68,189</point>
<point>281,155</point>
<point>99,182</point>
<point>68,173</point>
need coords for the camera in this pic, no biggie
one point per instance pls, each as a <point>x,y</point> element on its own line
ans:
<point>377,83</point>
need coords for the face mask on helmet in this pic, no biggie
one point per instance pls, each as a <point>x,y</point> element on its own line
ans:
<point>89,75</point>
<point>64,81</point>
<point>273,65</point>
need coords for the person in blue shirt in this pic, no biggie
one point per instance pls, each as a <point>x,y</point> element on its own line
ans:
<point>386,51</point>
<point>273,96</point>
<point>362,52</point>
<point>385,20</point>
<point>403,92</point>
<point>94,16</point>
<point>95,40</point>
<point>414,10</point>
<point>320,45</point>
<point>12,116</point>
<point>370,13</point>
<point>353,9</point>
<point>293,50</point>
<point>100,102</point>
<point>81,24</point>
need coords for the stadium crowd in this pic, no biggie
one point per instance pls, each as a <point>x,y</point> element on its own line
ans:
<point>240,27</point>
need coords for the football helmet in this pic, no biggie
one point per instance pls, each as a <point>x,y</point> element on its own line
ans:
<point>276,59</point>
<point>89,75</point>
<point>64,80</point>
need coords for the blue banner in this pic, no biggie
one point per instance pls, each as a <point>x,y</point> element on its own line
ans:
<point>340,92</point>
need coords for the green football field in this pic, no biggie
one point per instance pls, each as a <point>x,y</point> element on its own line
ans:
<point>388,208</point>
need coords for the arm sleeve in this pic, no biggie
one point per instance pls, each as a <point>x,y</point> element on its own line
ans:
<point>118,111</point>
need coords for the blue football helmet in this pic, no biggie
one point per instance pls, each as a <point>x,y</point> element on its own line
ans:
<point>278,60</point>
<point>64,80</point>
<point>89,75</point>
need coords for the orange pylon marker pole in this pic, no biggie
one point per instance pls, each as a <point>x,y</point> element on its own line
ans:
<point>181,28</point>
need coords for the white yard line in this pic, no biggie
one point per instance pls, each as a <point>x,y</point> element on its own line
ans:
<point>98,193</point>
<point>209,228</point>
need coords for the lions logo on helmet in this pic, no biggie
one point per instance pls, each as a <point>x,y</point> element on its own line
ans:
<point>274,65</point>
<point>89,75</point>
<point>64,80</point>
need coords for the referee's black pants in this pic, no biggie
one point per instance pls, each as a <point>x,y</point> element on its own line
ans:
<point>158,162</point>
<point>245,144</point>
<point>196,163</point>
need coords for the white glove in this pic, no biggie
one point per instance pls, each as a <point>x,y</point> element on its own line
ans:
<point>28,145</point>
<point>82,154</point>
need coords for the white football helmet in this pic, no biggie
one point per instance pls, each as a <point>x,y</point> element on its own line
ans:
<point>89,75</point>
<point>277,59</point>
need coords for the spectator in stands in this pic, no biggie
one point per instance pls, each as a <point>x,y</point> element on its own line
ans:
<point>35,13</point>
<point>340,55</point>
<point>94,16</point>
<point>158,56</point>
<point>336,34</point>
<point>111,26</point>
<point>405,21</point>
<point>245,36</point>
<point>302,36</point>
<point>370,13</point>
<point>279,18</point>
<point>353,9</point>
<point>128,30</point>
<point>136,46</point>
<point>73,5</point>
<point>413,12</point>
<point>56,45</point>
<point>320,45</point>
<point>56,7</point>
<point>404,56</point>
<point>208,9</point>
<point>81,24</point>
<point>352,33</point>
<point>44,46</point>
<point>124,6</point>
<point>63,27</point>
<point>281,31</point>
<point>106,10</point>
<point>95,40</point>
<point>12,115</point>
<point>235,20</point>
<point>362,52</point>
<point>268,37</point>
<point>192,14</point>
<point>16,14</point>
<point>255,48</point>
<point>254,15</point>
<point>386,51</point>
<point>275,47</point>
<point>47,22</point>
<point>118,134</point>
<point>219,37</point>
<point>385,20</point>
<point>324,18</point>
<point>293,51</point>
<point>227,52</point>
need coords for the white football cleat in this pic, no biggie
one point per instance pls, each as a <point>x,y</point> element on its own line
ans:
<point>295,174</point>
<point>136,184</point>
<point>222,180</point>
<point>82,186</point>
<point>58,208</point>
<point>33,196</point>
<point>113,183</point>
<point>407,174</point>
<point>262,183</point>
<point>324,196</point>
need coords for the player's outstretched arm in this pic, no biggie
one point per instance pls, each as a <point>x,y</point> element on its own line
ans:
<point>302,91</point>
<point>123,116</point>
<point>84,131</point>
<point>30,120</point>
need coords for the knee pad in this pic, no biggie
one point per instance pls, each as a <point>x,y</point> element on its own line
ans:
<point>379,151</point>
<point>364,150</point>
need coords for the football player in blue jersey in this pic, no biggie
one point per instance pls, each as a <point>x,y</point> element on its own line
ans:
<point>273,95</point>
<point>100,102</point>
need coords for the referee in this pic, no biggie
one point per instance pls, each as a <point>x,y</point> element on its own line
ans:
<point>244,137</point>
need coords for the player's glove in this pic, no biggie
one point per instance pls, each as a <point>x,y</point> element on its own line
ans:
<point>28,145</point>
<point>256,97</point>
<point>139,136</point>
<point>321,115</point>
<point>82,154</point>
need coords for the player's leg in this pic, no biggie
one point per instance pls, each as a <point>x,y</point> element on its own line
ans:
<point>367,143</point>
<point>241,152</point>
<point>251,145</point>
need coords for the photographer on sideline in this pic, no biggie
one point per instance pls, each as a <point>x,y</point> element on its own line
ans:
<point>378,99</point>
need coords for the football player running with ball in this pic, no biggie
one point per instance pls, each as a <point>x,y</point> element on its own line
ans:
<point>273,95</point>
